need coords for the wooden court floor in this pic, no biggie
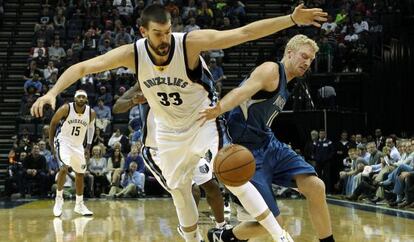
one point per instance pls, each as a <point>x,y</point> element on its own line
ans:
<point>149,220</point>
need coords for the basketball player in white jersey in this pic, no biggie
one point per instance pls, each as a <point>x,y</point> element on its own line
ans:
<point>68,128</point>
<point>202,174</point>
<point>177,88</point>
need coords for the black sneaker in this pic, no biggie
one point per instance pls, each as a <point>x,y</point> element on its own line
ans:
<point>215,235</point>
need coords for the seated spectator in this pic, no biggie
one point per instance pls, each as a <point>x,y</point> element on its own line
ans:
<point>103,115</point>
<point>329,26</point>
<point>41,60</point>
<point>27,101</point>
<point>218,74</point>
<point>14,182</point>
<point>360,25</point>
<point>135,156</point>
<point>77,45</point>
<point>191,25</point>
<point>122,37</point>
<point>33,82</point>
<point>59,20</point>
<point>70,59</point>
<point>117,136</point>
<point>102,49</point>
<point>45,19</point>
<point>56,53</point>
<point>134,113</point>
<point>362,152</point>
<point>375,157</point>
<point>34,51</point>
<point>134,127</point>
<point>132,183</point>
<point>191,7</point>
<point>44,151</point>
<point>121,91</point>
<point>105,95</point>
<point>98,168</point>
<point>204,15</point>
<point>98,137</point>
<point>31,70</point>
<point>35,170</point>
<point>353,177</point>
<point>49,70</point>
<point>116,164</point>
<point>177,25</point>
<point>106,36</point>
<point>125,9</point>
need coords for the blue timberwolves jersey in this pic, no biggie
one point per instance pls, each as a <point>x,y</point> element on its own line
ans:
<point>249,124</point>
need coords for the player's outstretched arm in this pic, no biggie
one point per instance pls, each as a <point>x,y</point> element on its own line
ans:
<point>203,40</point>
<point>130,98</point>
<point>264,77</point>
<point>121,56</point>
<point>60,114</point>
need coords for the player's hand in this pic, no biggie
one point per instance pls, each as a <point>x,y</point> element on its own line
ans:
<point>312,16</point>
<point>209,113</point>
<point>139,98</point>
<point>37,107</point>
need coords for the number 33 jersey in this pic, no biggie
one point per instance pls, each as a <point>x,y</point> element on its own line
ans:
<point>72,130</point>
<point>174,98</point>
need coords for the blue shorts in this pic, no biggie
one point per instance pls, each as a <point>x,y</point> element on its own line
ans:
<point>277,164</point>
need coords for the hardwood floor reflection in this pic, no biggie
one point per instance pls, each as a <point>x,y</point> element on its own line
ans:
<point>155,220</point>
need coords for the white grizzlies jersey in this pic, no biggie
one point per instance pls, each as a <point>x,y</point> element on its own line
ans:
<point>72,130</point>
<point>174,98</point>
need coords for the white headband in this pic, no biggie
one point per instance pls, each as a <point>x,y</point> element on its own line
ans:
<point>81,93</point>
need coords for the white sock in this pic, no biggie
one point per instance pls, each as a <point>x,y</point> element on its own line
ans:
<point>59,193</point>
<point>255,205</point>
<point>79,199</point>
<point>193,236</point>
<point>219,225</point>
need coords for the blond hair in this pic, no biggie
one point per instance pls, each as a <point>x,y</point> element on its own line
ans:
<point>299,40</point>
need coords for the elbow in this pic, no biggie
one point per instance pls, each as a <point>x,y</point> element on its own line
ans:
<point>115,108</point>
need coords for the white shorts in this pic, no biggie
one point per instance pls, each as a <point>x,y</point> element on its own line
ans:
<point>202,172</point>
<point>70,155</point>
<point>181,155</point>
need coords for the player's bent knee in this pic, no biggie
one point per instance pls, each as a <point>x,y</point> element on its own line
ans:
<point>315,188</point>
<point>211,186</point>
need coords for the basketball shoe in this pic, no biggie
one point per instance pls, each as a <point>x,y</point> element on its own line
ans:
<point>82,209</point>
<point>57,208</point>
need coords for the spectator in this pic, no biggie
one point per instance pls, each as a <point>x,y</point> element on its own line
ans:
<point>98,168</point>
<point>41,60</point>
<point>132,183</point>
<point>376,155</point>
<point>57,53</point>
<point>14,181</point>
<point>310,148</point>
<point>105,47</point>
<point>98,138</point>
<point>34,51</point>
<point>125,9</point>
<point>77,45</point>
<point>117,136</point>
<point>49,70</point>
<point>122,37</point>
<point>362,152</point>
<point>191,7</point>
<point>59,20</point>
<point>177,25</point>
<point>324,151</point>
<point>360,25</point>
<point>35,83</point>
<point>191,25</point>
<point>103,115</point>
<point>31,70</point>
<point>115,167</point>
<point>379,139</point>
<point>105,96</point>
<point>35,170</point>
<point>394,154</point>
<point>218,75</point>
<point>44,151</point>
<point>134,113</point>
<point>135,156</point>
<point>204,15</point>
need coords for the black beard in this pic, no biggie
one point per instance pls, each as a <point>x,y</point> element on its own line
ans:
<point>157,51</point>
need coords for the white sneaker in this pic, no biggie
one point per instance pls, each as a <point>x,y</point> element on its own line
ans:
<point>57,208</point>
<point>284,237</point>
<point>82,209</point>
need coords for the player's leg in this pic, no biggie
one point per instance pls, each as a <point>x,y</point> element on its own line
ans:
<point>203,176</point>
<point>313,189</point>
<point>63,159</point>
<point>289,166</point>
<point>79,166</point>
<point>215,200</point>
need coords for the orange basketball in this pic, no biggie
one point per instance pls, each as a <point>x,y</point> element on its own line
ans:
<point>234,165</point>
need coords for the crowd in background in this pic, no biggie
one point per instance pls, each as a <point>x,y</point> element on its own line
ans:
<point>71,31</point>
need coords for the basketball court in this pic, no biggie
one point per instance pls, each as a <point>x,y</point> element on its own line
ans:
<point>148,220</point>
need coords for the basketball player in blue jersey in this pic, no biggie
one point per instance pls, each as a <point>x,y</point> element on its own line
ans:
<point>68,128</point>
<point>177,87</point>
<point>202,175</point>
<point>253,106</point>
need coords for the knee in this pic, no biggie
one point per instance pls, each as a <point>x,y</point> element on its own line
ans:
<point>211,187</point>
<point>314,188</point>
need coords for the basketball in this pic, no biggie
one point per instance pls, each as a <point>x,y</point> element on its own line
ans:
<point>234,165</point>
